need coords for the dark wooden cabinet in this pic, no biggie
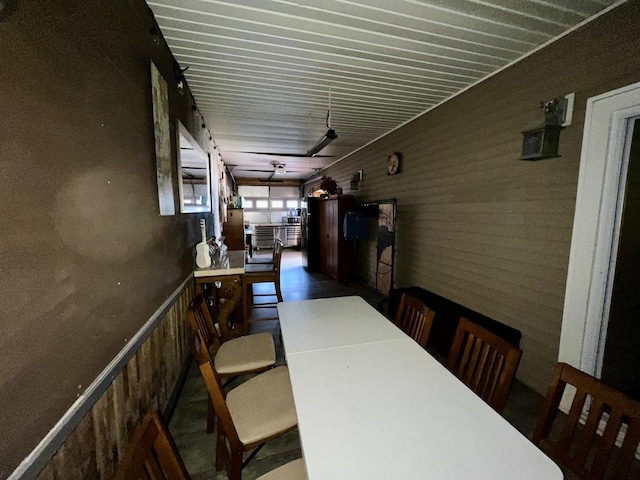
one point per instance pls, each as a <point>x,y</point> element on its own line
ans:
<point>233,229</point>
<point>336,253</point>
<point>311,235</point>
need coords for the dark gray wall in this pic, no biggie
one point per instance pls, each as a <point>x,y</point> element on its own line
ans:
<point>474,223</point>
<point>86,258</point>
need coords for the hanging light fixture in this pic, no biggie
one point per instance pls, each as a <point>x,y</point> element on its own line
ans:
<point>328,137</point>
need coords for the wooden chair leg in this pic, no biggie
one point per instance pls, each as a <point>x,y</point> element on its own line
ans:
<point>278,292</point>
<point>221,450</point>
<point>235,465</point>
<point>245,302</point>
<point>211,416</point>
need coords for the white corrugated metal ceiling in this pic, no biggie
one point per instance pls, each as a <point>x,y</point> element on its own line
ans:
<point>262,71</point>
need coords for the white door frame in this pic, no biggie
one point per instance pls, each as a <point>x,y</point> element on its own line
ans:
<point>601,183</point>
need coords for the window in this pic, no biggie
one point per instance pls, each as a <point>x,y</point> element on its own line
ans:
<point>268,204</point>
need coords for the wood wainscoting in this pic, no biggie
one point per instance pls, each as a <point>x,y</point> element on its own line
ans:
<point>148,381</point>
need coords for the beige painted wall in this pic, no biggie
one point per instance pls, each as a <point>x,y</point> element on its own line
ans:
<point>475,224</point>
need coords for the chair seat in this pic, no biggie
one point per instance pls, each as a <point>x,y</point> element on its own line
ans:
<point>294,470</point>
<point>259,261</point>
<point>245,354</point>
<point>263,406</point>
<point>259,268</point>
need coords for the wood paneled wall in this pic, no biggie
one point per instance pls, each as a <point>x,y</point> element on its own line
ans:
<point>93,449</point>
<point>479,226</point>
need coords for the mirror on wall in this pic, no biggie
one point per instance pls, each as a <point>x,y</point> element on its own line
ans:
<point>194,174</point>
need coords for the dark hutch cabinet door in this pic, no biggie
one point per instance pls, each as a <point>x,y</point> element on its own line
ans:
<point>233,229</point>
<point>335,251</point>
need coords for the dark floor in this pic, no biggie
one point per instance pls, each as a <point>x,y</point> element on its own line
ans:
<point>188,422</point>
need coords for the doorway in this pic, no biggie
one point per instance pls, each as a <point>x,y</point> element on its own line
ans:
<point>621,356</point>
<point>604,235</point>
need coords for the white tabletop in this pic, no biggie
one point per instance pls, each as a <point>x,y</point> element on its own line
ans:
<point>385,409</point>
<point>332,322</point>
<point>231,264</point>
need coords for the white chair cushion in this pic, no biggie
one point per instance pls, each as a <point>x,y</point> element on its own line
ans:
<point>294,470</point>
<point>263,406</point>
<point>244,354</point>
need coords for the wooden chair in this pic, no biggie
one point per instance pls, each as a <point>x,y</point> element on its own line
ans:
<point>251,414</point>
<point>238,356</point>
<point>581,445</point>
<point>485,362</point>
<point>152,454</point>
<point>265,273</point>
<point>414,318</point>
<point>262,260</point>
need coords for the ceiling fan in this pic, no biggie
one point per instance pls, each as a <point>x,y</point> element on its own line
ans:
<point>328,137</point>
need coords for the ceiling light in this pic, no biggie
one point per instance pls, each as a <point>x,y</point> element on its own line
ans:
<point>279,169</point>
<point>329,137</point>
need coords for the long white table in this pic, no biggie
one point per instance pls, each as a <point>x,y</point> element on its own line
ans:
<point>372,404</point>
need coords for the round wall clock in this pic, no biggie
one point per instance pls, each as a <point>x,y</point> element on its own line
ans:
<point>393,163</point>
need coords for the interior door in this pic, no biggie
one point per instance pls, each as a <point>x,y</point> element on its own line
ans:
<point>621,359</point>
<point>596,227</point>
<point>329,237</point>
<point>324,236</point>
<point>233,229</point>
<point>332,237</point>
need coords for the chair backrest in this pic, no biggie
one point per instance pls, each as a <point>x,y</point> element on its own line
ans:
<point>485,362</point>
<point>214,387</point>
<point>276,242</point>
<point>152,454</point>
<point>414,318</point>
<point>201,321</point>
<point>277,255</point>
<point>581,444</point>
